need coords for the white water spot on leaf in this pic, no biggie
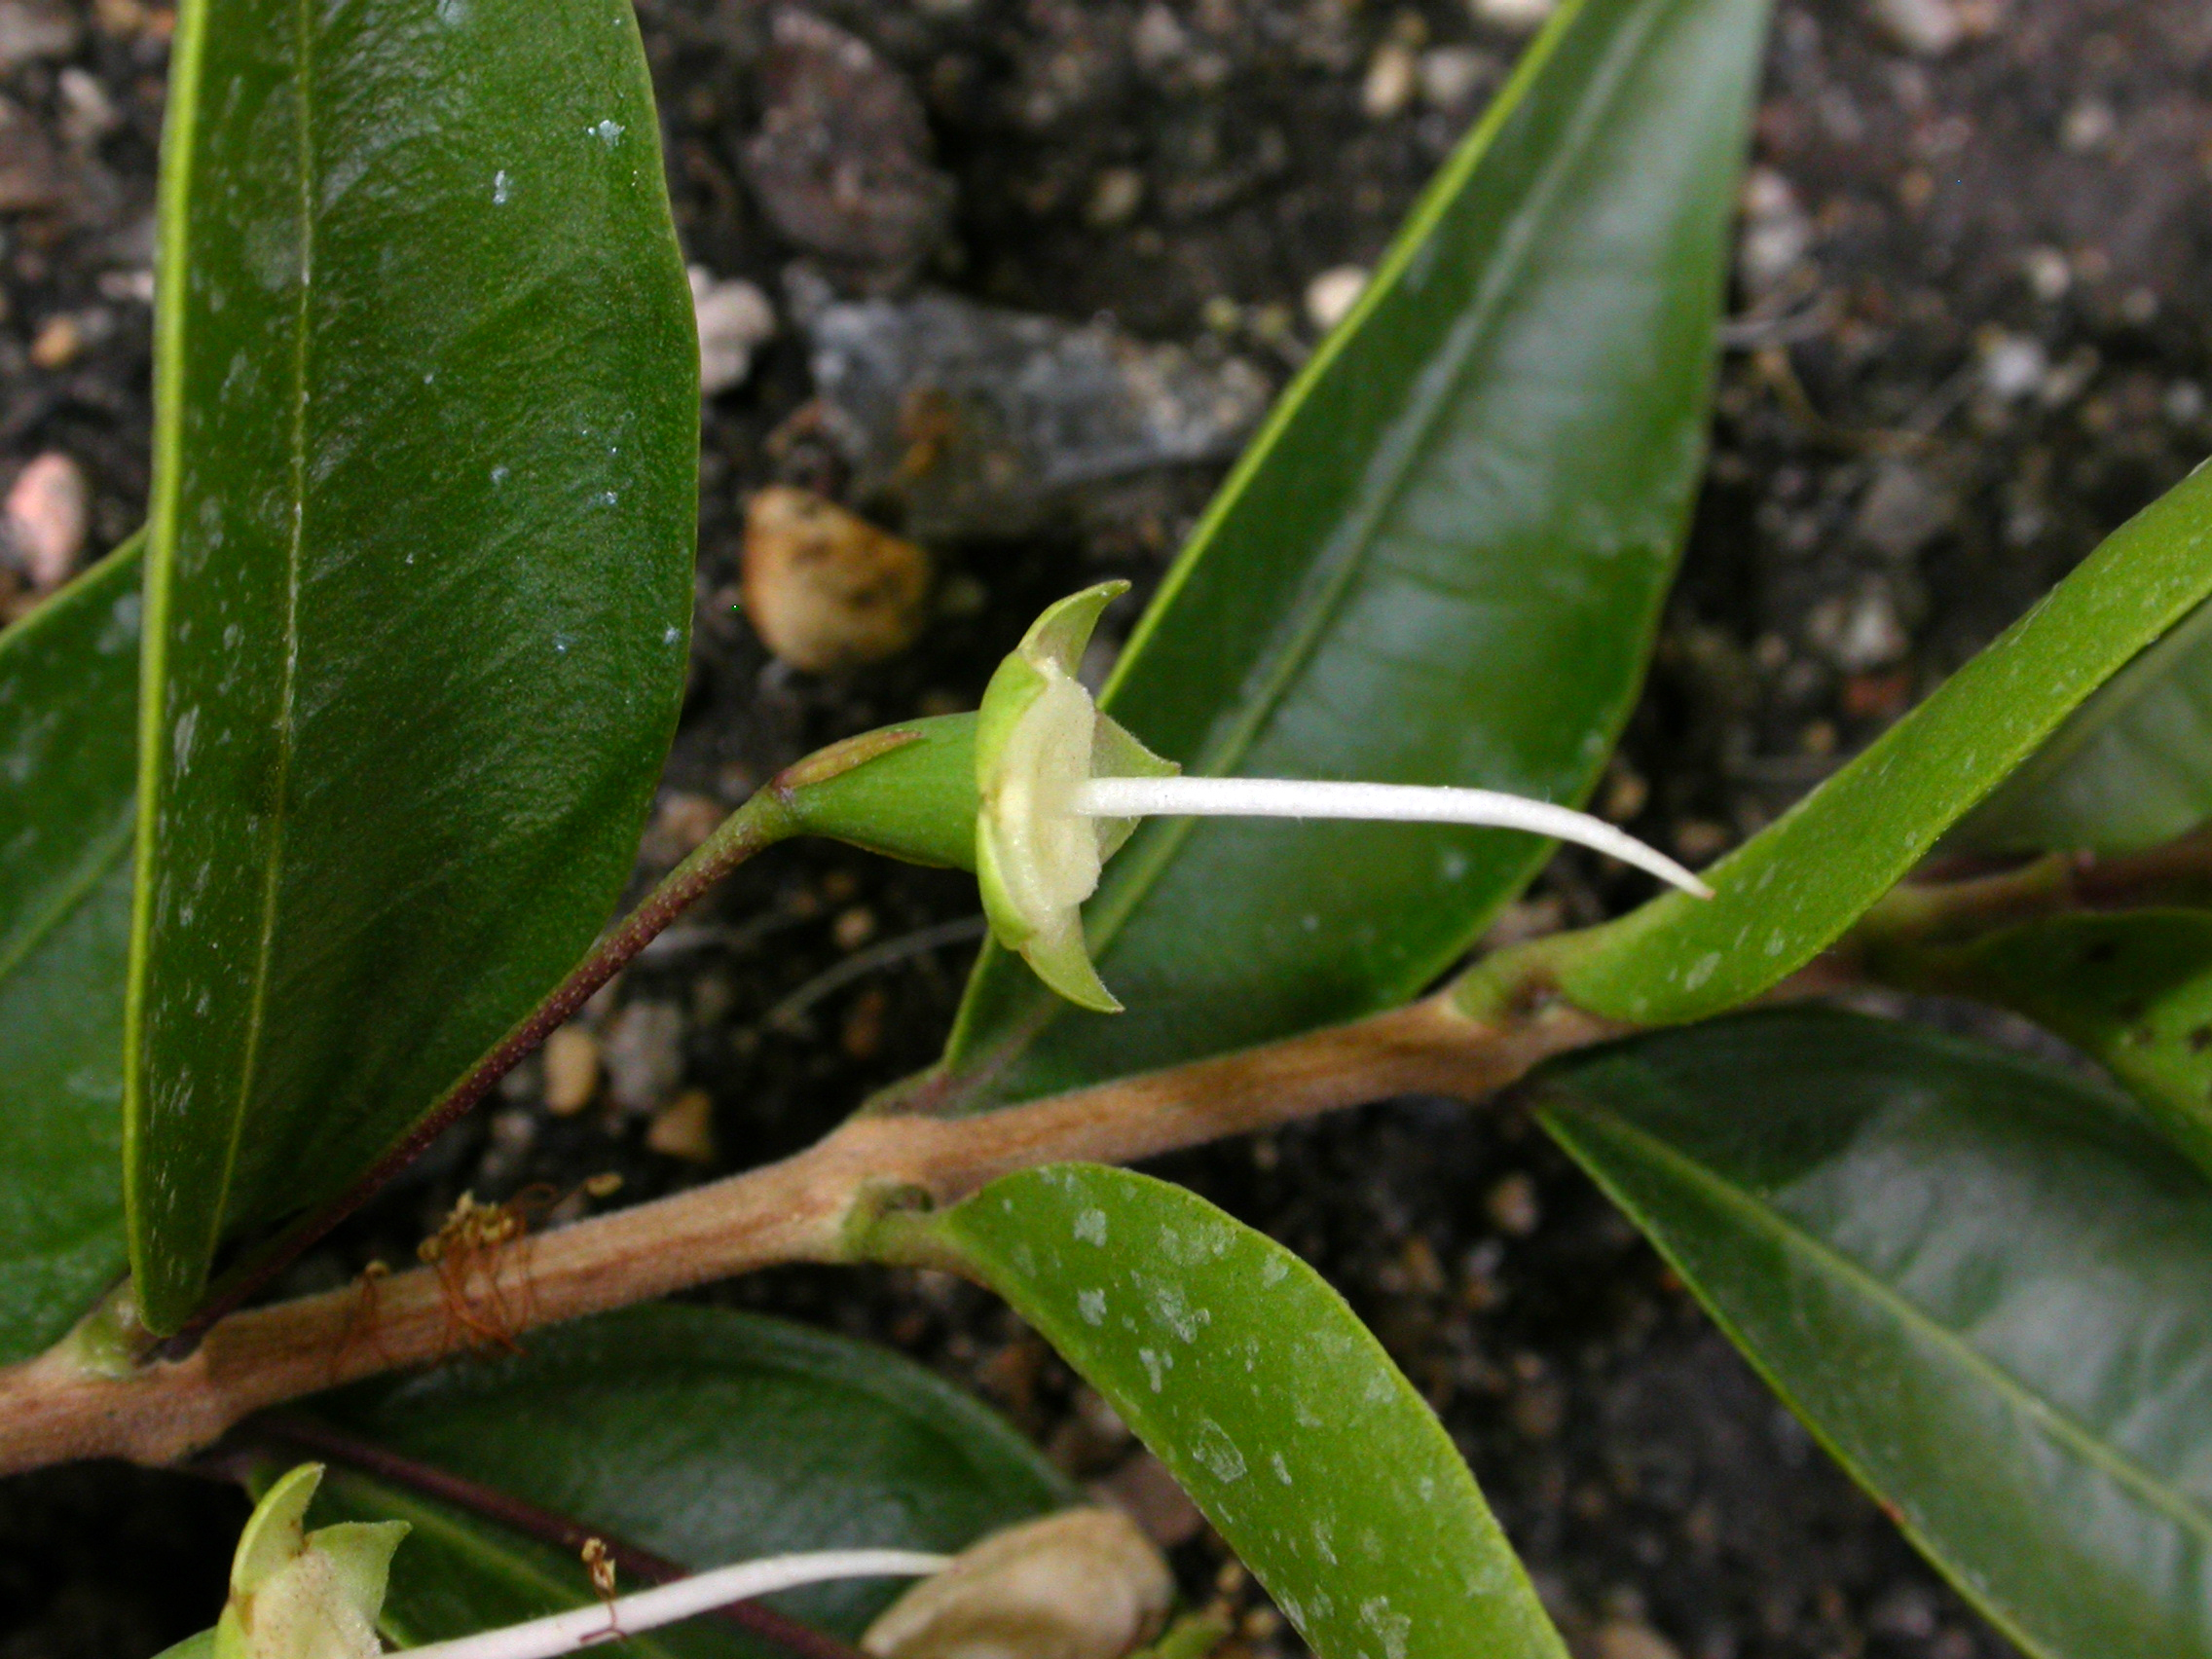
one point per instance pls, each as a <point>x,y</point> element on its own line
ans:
<point>499,190</point>
<point>1153,1369</point>
<point>453,13</point>
<point>1170,1309</point>
<point>608,132</point>
<point>1323,1545</point>
<point>1392,1626</point>
<point>1280,1467</point>
<point>670,634</point>
<point>499,475</point>
<point>1274,1270</point>
<point>1091,1227</point>
<point>1213,1448</point>
<point>1701,971</point>
<point>181,735</point>
<point>1092,1305</point>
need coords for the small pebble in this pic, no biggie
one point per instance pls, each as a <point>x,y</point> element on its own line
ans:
<point>684,1127</point>
<point>644,1055</point>
<point>824,589</point>
<point>47,515</point>
<point>1394,74</point>
<point>2089,125</point>
<point>735,321</point>
<point>1115,197</point>
<point>58,343</point>
<point>2012,365</point>
<point>88,113</point>
<point>681,823</point>
<point>571,1070</point>
<point>30,32</point>
<point>1511,14</point>
<point>1330,296</point>
<point>1630,1639</point>
<point>853,928</point>
<point>1451,75</point>
<point>2049,275</point>
<point>1927,28</point>
<point>1513,1208</point>
<point>861,1036</point>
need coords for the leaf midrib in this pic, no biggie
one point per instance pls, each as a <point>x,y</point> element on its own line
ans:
<point>2062,1426</point>
<point>83,882</point>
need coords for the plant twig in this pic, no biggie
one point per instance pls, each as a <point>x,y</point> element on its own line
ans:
<point>564,1532</point>
<point>803,1210</point>
<point>758,824</point>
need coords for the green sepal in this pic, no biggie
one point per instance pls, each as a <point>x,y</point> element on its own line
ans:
<point>297,1595</point>
<point>1115,753</point>
<point>906,791</point>
<point>1047,931</point>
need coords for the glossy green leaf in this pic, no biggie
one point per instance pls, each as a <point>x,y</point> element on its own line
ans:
<point>2131,767</point>
<point>1274,1407</point>
<point>2133,988</point>
<point>702,1435</point>
<point>1980,1281</point>
<point>1795,887</point>
<point>68,743</point>
<point>418,573</point>
<point>1440,562</point>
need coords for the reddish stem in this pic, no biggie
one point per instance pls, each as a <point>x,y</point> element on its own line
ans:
<point>758,824</point>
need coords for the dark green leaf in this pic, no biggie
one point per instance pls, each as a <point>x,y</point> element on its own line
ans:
<point>2134,989</point>
<point>2131,767</point>
<point>1270,1402</point>
<point>1980,1280</point>
<point>418,573</point>
<point>1794,888</point>
<point>1440,562</point>
<point>68,745</point>
<point>705,1436</point>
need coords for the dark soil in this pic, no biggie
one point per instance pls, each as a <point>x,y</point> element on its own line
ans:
<point>1971,338</point>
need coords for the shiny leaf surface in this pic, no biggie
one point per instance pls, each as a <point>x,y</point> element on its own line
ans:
<point>2131,767</point>
<point>1440,562</point>
<point>1980,1281</point>
<point>702,1435</point>
<point>68,742</point>
<point>418,573</point>
<point>2134,989</point>
<point>1274,1407</point>
<point>1793,889</point>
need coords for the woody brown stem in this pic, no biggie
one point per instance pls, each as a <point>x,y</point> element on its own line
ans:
<point>758,824</point>
<point>56,1408</point>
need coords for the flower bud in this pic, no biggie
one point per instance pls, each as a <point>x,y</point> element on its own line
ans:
<point>306,1596</point>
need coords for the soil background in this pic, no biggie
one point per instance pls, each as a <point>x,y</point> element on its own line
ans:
<point>1968,337</point>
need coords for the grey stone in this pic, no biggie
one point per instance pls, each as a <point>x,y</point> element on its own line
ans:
<point>979,421</point>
